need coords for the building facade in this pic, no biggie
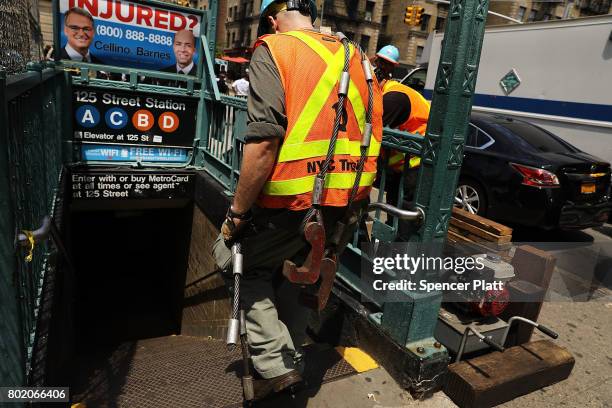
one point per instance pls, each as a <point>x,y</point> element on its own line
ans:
<point>359,20</point>
<point>371,23</point>
<point>241,21</point>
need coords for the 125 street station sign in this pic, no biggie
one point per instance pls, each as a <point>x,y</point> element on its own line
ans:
<point>120,117</point>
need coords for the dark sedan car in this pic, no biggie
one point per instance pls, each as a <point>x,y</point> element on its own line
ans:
<point>519,173</point>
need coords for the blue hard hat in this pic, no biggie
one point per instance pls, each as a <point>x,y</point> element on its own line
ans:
<point>389,53</point>
<point>261,29</point>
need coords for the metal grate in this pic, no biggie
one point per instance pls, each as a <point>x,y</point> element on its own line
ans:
<point>30,162</point>
<point>178,371</point>
<point>20,38</point>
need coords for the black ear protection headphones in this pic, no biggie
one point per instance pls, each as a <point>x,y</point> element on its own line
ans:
<point>303,6</point>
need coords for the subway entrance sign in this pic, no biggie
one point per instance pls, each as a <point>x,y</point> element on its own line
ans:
<point>132,126</point>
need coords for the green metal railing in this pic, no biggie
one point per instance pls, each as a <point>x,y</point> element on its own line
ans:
<point>220,150</point>
<point>410,322</point>
<point>30,163</point>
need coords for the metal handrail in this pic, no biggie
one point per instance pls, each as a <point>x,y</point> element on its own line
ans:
<point>482,338</point>
<point>417,215</point>
<point>538,326</point>
<point>40,234</point>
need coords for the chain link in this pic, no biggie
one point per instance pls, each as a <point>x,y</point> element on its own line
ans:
<point>20,37</point>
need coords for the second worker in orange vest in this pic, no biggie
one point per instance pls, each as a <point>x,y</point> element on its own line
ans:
<point>403,109</point>
<point>292,102</point>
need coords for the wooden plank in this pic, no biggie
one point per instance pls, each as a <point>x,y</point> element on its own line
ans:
<point>534,265</point>
<point>489,236</point>
<point>494,246</point>
<point>482,222</point>
<point>464,241</point>
<point>495,378</point>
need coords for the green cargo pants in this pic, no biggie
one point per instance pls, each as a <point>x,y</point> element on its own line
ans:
<point>276,322</point>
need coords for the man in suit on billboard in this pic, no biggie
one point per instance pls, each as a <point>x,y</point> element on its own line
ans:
<point>79,30</point>
<point>184,50</point>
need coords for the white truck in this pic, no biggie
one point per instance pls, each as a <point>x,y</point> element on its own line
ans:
<point>555,74</point>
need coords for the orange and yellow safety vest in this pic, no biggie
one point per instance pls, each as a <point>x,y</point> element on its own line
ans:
<point>416,122</point>
<point>310,65</point>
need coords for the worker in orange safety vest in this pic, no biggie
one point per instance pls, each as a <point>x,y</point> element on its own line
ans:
<point>403,109</point>
<point>304,87</point>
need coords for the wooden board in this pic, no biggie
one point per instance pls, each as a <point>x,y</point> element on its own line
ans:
<point>461,240</point>
<point>481,222</point>
<point>475,238</point>
<point>495,378</point>
<point>534,265</point>
<point>479,232</point>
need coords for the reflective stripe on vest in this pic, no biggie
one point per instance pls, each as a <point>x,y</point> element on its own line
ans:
<point>416,122</point>
<point>310,65</point>
<point>294,146</point>
<point>419,108</point>
<point>304,184</point>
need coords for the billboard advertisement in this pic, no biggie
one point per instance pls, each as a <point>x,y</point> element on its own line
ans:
<point>129,34</point>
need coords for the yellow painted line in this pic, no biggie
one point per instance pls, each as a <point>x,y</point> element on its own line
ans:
<point>358,359</point>
<point>78,405</point>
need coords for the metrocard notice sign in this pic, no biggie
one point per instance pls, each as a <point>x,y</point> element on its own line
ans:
<point>126,118</point>
<point>124,33</point>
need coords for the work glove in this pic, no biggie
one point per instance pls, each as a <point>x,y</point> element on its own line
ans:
<point>234,226</point>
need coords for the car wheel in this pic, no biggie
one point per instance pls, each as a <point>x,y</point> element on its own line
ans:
<point>470,196</point>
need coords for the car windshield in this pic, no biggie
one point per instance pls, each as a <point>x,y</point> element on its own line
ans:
<point>536,137</point>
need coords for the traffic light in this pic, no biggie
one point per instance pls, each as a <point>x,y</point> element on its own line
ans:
<point>409,16</point>
<point>418,15</point>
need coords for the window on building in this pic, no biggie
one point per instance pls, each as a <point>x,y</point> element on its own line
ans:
<point>231,12</point>
<point>233,38</point>
<point>521,13</point>
<point>369,13</point>
<point>440,21</point>
<point>425,22</point>
<point>352,9</point>
<point>364,42</point>
<point>384,21</point>
<point>532,15</point>
<point>419,52</point>
<point>248,37</point>
<point>227,38</point>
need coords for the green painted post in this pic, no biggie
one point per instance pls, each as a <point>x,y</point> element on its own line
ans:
<point>412,323</point>
<point>211,29</point>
